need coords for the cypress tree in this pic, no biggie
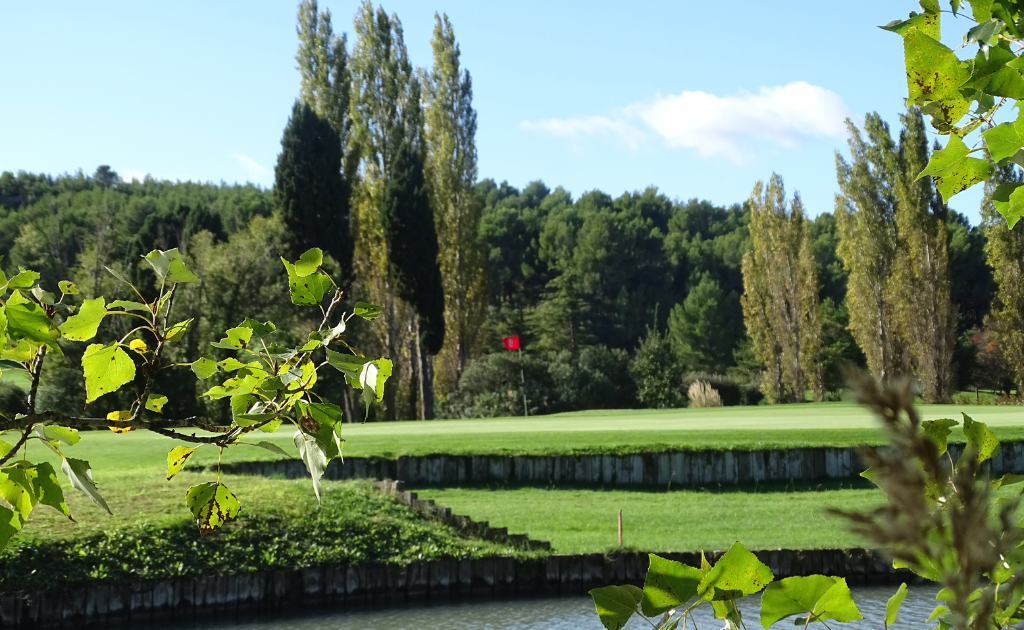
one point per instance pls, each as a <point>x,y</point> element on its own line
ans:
<point>1005,249</point>
<point>780,302</point>
<point>310,188</point>
<point>412,248</point>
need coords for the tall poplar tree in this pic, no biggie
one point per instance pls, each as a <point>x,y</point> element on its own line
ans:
<point>922,280</point>
<point>411,239</point>
<point>452,172</point>
<point>780,301</point>
<point>1005,249</point>
<point>386,111</point>
<point>868,243</point>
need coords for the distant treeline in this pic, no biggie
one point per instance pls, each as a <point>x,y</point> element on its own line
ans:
<point>619,302</point>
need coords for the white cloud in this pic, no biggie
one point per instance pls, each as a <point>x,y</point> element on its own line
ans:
<point>720,125</point>
<point>253,170</point>
<point>575,128</point>
<point>131,174</point>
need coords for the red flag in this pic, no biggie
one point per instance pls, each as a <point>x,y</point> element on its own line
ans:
<point>511,343</point>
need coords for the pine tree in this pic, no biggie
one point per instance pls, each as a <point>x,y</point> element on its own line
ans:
<point>1005,249</point>
<point>411,239</point>
<point>780,302</point>
<point>868,244</point>
<point>310,188</point>
<point>452,172</point>
<point>703,327</point>
<point>921,279</point>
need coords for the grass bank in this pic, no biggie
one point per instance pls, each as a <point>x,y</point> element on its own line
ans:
<point>281,526</point>
<point>585,520</point>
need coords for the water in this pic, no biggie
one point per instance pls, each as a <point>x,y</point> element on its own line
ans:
<point>569,613</point>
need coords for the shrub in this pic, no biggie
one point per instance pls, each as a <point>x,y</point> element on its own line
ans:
<point>596,377</point>
<point>701,394</point>
<point>491,387</point>
<point>657,373</point>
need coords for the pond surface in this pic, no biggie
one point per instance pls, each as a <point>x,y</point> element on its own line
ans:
<point>569,613</point>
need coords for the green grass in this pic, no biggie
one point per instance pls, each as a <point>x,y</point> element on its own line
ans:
<point>831,424</point>
<point>585,520</point>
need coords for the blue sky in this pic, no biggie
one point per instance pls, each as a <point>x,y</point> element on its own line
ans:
<point>699,99</point>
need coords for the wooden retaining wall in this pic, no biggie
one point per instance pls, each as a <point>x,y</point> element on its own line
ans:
<point>675,468</point>
<point>358,586</point>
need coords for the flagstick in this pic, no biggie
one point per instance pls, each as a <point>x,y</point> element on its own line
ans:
<point>522,380</point>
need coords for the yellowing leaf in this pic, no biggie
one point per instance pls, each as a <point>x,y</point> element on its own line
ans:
<point>107,368</point>
<point>212,505</point>
<point>121,429</point>
<point>176,331</point>
<point>177,459</point>
<point>138,346</point>
<point>156,402</point>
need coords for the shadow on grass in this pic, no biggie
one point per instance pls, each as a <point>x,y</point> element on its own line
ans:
<point>767,487</point>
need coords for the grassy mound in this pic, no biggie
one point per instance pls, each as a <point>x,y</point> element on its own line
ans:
<point>283,528</point>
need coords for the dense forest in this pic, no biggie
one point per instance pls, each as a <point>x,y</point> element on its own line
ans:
<point>618,301</point>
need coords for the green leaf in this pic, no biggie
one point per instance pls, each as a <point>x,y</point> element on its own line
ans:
<point>128,306</point>
<point>169,266</point>
<point>312,456</point>
<point>894,603</point>
<point>212,505</point>
<point>10,524</point>
<point>156,402</point>
<point>204,368</point>
<point>309,262</point>
<point>270,446</point>
<point>936,613</point>
<point>24,280</point>
<point>27,320</point>
<point>177,458</point>
<point>16,489</point>
<point>349,365</point>
<point>1008,200</point>
<point>67,288</point>
<point>309,289</point>
<point>366,310</point>
<point>176,331</point>
<point>819,597</point>
<point>249,419</point>
<point>43,297</point>
<point>1009,479</point>
<point>67,435</point>
<point>736,574</point>
<point>236,339</point>
<point>616,604</point>
<point>107,368</point>
<point>985,34</point>
<point>234,387</point>
<point>953,170</point>
<point>260,330</point>
<point>668,584</point>
<point>120,276</point>
<point>80,475</point>
<point>979,437</point>
<point>927,23</point>
<point>83,326</point>
<point>47,488</point>
<point>372,378</point>
<point>1006,139</point>
<point>991,74</point>
<point>938,431</point>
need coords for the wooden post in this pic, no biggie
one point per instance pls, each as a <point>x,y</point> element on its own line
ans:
<point>620,528</point>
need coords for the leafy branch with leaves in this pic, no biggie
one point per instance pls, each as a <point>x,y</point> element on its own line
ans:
<point>963,96</point>
<point>267,383</point>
